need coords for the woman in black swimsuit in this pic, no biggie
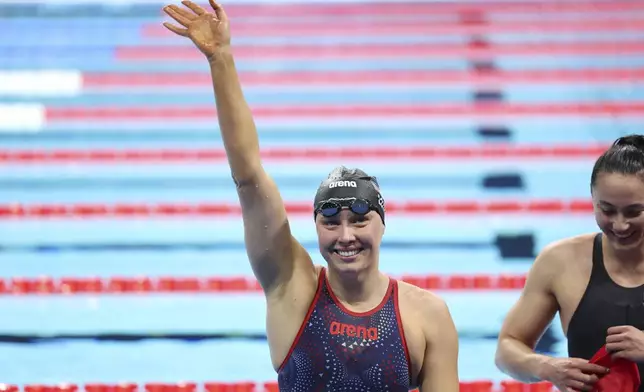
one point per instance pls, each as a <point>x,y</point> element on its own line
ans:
<point>595,281</point>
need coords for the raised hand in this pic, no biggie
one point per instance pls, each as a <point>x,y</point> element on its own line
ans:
<point>208,30</point>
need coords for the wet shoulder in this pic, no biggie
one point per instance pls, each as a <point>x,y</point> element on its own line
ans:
<point>424,315</point>
<point>563,259</point>
<point>564,252</point>
<point>424,301</point>
<point>424,307</point>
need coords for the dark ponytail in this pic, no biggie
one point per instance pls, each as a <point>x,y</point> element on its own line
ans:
<point>625,156</point>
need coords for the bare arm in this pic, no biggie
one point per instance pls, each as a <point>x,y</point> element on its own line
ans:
<point>528,320</point>
<point>272,250</point>
<point>440,365</point>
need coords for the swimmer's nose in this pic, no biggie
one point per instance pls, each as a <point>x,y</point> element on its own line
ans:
<point>346,235</point>
<point>620,225</point>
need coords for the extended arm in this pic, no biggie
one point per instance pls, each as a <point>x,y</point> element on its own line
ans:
<point>271,248</point>
<point>527,321</point>
<point>273,252</point>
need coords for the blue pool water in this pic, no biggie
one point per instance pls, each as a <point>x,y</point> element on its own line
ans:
<point>213,246</point>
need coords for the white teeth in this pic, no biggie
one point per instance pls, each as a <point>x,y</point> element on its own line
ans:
<point>348,253</point>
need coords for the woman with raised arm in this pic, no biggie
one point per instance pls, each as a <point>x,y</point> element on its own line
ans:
<point>346,326</point>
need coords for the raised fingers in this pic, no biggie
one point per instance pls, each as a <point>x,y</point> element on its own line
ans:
<point>219,10</point>
<point>182,16</point>
<point>175,29</point>
<point>194,7</point>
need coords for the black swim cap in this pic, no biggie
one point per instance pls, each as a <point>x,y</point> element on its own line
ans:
<point>349,188</point>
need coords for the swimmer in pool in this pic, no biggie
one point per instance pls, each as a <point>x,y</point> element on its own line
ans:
<point>595,281</point>
<point>346,325</point>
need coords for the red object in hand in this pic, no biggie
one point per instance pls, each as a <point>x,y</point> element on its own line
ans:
<point>624,376</point>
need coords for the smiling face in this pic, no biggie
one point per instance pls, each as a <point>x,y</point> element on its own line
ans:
<point>619,209</point>
<point>350,242</point>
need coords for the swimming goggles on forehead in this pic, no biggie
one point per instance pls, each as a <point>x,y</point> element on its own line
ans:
<point>332,207</point>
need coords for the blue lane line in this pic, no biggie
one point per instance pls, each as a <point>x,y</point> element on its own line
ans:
<point>112,36</point>
<point>102,18</point>
<point>162,195</point>
<point>92,54</point>
<point>214,246</point>
<point>103,61</point>
<point>372,94</point>
<point>45,25</point>
<point>337,134</point>
<point>408,182</point>
<point>226,192</point>
<point>553,190</point>
<point>563,36</point>
<point>540,62</point>
<point>437,97</point>
<point>183,97</point>
<point>134,188</point>
<point>389,172</point>
<point>235,263</point>
<point>88,52</point>
<point>371,132</point>
<point>109,38</point>
<point>107,63</point>
<point>187,135</point>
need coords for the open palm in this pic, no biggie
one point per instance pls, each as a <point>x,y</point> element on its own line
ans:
<point>209,31</point>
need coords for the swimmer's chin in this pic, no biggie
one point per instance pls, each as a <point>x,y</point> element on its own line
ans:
<point>632,241</point>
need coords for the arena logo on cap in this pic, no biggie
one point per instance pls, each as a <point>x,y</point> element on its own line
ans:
<point>343,184</point>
